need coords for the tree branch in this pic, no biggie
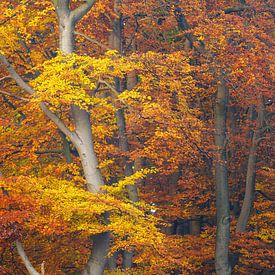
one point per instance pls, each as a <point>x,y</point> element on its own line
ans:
<point>15,96</point>
<point>244,7</point>
<point>79,12</point>
<point>48,152</point>
<point>25,258</point>
<point>115,92</point>
<point>21,83</point>
<point>16,76</point>
<point>59,123</point>
<point>236,9</point>
<point>269,115</point>
<point>5,77</point>
<point>265,195</point>
<point>92,40</point>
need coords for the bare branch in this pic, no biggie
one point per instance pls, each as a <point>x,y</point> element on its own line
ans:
<point>244,7</point>
<point>236,9</point>
<point>115,92</point>
<point>15,96</point>
<point>48,152</point>
<point>130,44</point>
<point>92,40</point>
<point>265,195</point>
<point>25,258</point>
<point>82,10</point>
<point>21,83</point>
<point>5,77</point>
<point>16,76</point>
<point>270,114</point>
<point>59,123</point>
<point>259,140</point>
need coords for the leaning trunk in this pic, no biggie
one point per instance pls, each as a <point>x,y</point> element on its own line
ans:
<point>249,187</point>
<point>25,258</point>
<point>251,174</point>
<point>222,196</point>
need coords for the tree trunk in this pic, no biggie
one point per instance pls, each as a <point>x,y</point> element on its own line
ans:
<point>84,145</point>
<point>115,42</point>
<point>222,194</point>
<point>251,174</point>
<point>25,258</point>
<point>86,150</point>
<point>98,259</point>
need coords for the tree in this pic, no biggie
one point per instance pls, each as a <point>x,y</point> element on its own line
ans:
<point>180,100</point>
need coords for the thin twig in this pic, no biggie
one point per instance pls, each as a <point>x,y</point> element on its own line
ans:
<point>15,96</point>
<point>5,77</point>
<point>92,40</point>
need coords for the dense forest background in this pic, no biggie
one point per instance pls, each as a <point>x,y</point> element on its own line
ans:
<point>136,137</point>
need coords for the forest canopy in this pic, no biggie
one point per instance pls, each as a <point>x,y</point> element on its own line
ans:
<point>136,137</point>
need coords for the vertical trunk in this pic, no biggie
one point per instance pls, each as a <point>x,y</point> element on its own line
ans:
<point>115,42</point>
<point>222,194</point>
<point>112,261</point>
<point>84,146</point>
<point>249,187</point>
<point>98,259</point>
<point>250,174</point>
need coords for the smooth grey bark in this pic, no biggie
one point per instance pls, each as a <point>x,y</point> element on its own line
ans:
<point>251,173</point>
<point>222,194</point>
<point>84,143</point>
<point>85,149</point>
<point>82,138</point>
<point>98,259</point>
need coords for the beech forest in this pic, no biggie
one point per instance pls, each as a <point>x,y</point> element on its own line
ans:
<point>136,137</point>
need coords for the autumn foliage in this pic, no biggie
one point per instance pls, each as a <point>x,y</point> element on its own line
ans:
<point>150,104</point>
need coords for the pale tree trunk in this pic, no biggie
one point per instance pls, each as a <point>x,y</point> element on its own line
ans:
<point>85,149</point>
<point>84,143</point>
<point>222,194</point>
<point>98,258</point>
<point>251,172</point>
<point>25,258</point>
<point>82,138</point>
